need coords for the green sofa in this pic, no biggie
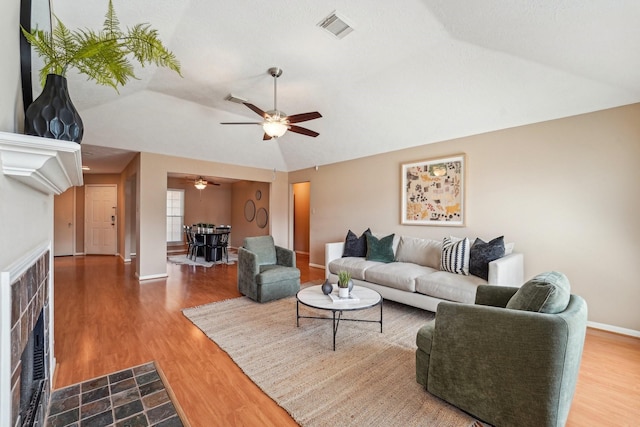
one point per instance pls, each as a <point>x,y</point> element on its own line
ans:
<point>266,272</point>
<point>506,366</point>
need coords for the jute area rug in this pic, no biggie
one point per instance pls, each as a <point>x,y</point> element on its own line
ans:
<point>183,259</point>
<point>368,381</point>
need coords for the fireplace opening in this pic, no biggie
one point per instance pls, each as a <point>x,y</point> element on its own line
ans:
<point>33,375</point>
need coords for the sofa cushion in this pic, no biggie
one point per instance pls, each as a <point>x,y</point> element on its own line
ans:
<point>355,266</point>
<point>276,273</point>
<point>449,286</point>
<point>508,248</point>
<point>455,255</point>
<point>263,247</point>
<point>546,293</point>
<point>424,252</point>
<point>482,253</point>
<point>380,249</point>
<point>398,275</point>
<point>354,245</point>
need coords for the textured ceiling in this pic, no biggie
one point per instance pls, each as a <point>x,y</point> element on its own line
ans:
<point>411,73</point>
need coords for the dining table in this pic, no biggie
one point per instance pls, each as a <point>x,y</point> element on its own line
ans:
<point>211,251</point>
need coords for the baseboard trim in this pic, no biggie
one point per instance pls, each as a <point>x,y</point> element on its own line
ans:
<point>615,329</point>
<point>316,266</point>
<point>152,276</point>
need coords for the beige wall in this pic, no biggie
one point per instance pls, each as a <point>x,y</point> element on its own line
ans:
<point>151,184</point>
<point>244,191</point>
<point>211,205</point>
<point>11,109</point>
<point>565,191</point>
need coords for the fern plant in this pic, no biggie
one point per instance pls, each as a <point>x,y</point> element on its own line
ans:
<point>104,56</point>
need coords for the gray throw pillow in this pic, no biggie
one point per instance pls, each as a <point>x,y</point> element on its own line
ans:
<point>546,293</point>
<point>482,253</point>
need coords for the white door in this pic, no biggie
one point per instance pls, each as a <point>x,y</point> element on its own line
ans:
<point>100,219</point>
<point>64,223</point>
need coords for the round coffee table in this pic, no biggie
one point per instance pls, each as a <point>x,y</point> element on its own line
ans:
<point>313,297</point>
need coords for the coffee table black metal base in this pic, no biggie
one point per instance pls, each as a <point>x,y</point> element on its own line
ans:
<point>338,309</point>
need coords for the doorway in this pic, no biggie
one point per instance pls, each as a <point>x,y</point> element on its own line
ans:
<point>301,217</point>
<point>100,219</point>
<point>64,223</point>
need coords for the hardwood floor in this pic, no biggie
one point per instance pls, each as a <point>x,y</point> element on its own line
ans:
<point>105,321</point>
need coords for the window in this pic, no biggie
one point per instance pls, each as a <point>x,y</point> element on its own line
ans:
<point>175,215</point>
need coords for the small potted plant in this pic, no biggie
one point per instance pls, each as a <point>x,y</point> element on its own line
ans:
<point>344,284</point>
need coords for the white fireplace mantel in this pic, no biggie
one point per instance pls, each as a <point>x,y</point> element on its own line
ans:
<point>48,165</point>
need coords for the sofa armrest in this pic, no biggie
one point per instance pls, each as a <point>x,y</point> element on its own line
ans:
<point>496,296</point>
<point>285,257</point>
<point>332,251</point>
<point>248,268</point>
<point>507,271</point>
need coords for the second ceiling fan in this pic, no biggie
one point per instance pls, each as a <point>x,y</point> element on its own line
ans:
<point>276,122</point>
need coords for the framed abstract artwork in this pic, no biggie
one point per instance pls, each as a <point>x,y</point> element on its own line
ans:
<point>433,192</point>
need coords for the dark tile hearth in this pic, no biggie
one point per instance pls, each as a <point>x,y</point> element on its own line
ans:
<point>134,397</point>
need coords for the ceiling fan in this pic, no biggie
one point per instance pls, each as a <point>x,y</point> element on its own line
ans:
<point>276,122</point>
<point>200,183</point>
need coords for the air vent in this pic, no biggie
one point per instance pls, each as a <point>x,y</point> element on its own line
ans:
<point>336,25</point>
<point>236,99</point>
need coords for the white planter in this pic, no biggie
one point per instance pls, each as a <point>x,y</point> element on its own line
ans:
<point>343,292</point>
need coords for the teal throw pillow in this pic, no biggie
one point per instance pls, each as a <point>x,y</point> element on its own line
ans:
<point>380,249</point>
<point>546,293</point>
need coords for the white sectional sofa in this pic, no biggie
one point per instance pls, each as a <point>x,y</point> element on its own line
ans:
<point>414,277</point>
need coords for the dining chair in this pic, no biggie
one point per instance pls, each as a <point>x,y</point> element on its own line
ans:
<point>198,242</point>
<point>188,238</point>
<point>222,243</point>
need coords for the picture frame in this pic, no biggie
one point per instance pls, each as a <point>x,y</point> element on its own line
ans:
<point>33,14</point>
<point>433,191</point>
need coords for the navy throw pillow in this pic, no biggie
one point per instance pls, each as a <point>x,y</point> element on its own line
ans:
<point>482,253</point>
<point>355,246</point>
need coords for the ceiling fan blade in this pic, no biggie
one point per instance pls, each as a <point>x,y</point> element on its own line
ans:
<point>303,131</point>
<point>241,123</point>
<point>256,110</point>
<point>266,137</point>
<point>297,118</point>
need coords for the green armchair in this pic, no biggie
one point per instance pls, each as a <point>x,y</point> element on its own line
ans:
<point>502,360</point>
<point>266,272</point>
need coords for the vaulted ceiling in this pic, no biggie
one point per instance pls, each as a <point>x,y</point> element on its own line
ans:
<point>412,72</point>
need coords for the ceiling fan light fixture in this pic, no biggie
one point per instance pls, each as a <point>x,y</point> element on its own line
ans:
<point>275,129</point>
<point>201,183</point>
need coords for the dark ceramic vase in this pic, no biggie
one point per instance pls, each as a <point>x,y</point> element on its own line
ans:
<point>327,287</point>
<point>350,286</point>
<point>52,114</point>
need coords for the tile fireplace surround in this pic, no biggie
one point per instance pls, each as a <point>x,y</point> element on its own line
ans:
<point>25,291</point>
